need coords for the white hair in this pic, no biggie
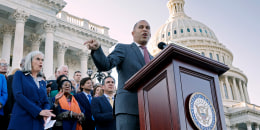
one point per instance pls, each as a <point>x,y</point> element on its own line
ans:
<point>61,67</point>
<point>28,60</point>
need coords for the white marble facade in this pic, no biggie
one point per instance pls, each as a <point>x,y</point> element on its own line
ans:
<point>239,112</point>
<point>28,25</point>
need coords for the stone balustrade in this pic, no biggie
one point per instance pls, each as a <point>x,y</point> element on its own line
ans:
<point>64,16</point>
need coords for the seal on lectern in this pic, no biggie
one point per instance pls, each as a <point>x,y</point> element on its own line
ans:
<point>202,111</point>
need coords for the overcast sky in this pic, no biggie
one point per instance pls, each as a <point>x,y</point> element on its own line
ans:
<point>236,23</point>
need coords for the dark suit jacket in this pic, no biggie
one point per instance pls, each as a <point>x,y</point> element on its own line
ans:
<point>30,100</point>
<point>88,124</point>
<point>103,113</point>
<point>128,59</point>
<point>10,101</point>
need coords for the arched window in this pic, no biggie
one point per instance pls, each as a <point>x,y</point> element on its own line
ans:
<point>210,56</point>
<point>202,53</point>
<point>169,33</point>
<point>206,31</point>
<point>175,32</point>
<point>188,30</point>
<point>162,35</point>
<point>194,29</point>
<point>181,30</point>
<point>200,30</point>
<point>217,57</point>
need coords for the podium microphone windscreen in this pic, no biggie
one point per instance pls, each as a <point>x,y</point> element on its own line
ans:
<point>161,45</point>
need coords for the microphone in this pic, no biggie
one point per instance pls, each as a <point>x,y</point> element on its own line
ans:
<point>161,45</point>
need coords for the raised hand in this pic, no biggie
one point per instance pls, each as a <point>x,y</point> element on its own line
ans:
<point>58,96</point>
<point>92,44</point>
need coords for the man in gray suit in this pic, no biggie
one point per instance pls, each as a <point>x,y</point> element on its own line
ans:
<point>128,59</point>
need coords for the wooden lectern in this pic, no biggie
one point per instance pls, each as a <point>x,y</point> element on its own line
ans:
<point>165,85</point>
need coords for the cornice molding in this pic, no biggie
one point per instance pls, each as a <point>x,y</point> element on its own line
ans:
<point>57,5</point>
<point>214,47</point>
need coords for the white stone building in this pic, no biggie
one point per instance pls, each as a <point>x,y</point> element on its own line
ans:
<point>179,28</point>
<point>28,25</point>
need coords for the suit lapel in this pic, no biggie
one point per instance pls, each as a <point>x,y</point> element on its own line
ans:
<point>105,101</point>
<point>138,53</point>
<point>30,78</point>
<point>84,99</point>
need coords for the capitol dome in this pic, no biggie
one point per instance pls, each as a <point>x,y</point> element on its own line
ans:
<point>184,27</point>
<point>181,29</point>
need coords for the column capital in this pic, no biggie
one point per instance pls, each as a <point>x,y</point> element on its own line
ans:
<point>20,16</point>
<point>50,26</point>
<point>62,47</point>
<point>7,29</point>
<point>35,38</point>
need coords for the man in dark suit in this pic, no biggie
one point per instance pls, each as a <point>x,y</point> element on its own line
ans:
<point>84,99</point>
<point>101,107</point>
<point>128,58</point>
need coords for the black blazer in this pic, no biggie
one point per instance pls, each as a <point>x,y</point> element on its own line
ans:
<point>103,114</point>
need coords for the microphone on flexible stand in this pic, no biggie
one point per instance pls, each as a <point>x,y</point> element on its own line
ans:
<point>161,45</point>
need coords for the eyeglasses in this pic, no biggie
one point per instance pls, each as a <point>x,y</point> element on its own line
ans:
<point>3,64</point>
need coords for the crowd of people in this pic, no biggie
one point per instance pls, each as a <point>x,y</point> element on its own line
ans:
<point>27,99</point>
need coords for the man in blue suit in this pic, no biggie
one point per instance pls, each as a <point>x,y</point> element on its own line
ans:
<point>84,99</point>
<point>102,107</point>
<point>128,59</point>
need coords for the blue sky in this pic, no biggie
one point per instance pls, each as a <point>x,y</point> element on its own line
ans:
<point>236,23</point>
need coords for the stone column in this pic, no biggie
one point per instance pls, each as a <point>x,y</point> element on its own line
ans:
<point>237,95</point>
<point>49,28</point>
<point>83,62</point>
<point>8,32</point>
<point>36,41</point>
<point>230,95</point>
<point>248,124</point>
<point>62,48</point>
<point>222,89</point>
<point>20,18</point>
<point>246,93</point>
<point>241,90</point>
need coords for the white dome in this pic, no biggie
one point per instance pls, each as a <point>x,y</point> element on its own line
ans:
<point>179,26</point>
<point>183,28</point>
